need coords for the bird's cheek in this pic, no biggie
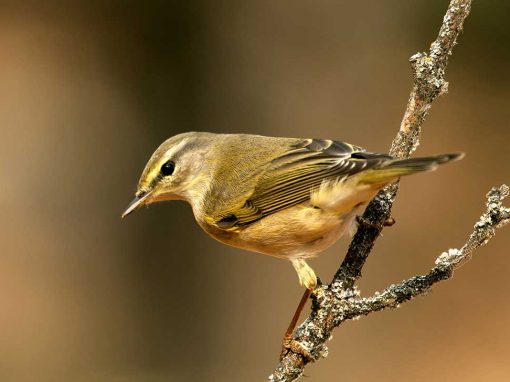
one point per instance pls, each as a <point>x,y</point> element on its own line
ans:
<point>164,196</point>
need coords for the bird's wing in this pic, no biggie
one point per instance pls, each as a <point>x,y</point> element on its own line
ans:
<point>291,177</point>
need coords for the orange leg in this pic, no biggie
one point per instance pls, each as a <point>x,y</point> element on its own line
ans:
<point>287,338</point>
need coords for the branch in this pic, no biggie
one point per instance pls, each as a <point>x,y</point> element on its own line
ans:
<point>428,75</point>
<point>339,301</point>
<point>495,217</point>
<point>332,304</point>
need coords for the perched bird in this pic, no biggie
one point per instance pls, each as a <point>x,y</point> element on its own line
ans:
<point>286,197</point>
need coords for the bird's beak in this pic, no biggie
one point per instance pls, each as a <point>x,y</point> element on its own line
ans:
<point>137,202</point>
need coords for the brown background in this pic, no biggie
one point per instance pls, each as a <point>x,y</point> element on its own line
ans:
<point>89,89</point>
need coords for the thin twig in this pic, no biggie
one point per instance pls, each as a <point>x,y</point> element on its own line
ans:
<point>495,217</point>
<point>339,301</point>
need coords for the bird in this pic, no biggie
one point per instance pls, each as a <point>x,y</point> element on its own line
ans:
<point>289,198</point>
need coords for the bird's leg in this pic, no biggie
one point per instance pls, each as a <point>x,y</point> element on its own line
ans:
<point>287,338</point>
<point>307,279</point>
<point>305,273</point>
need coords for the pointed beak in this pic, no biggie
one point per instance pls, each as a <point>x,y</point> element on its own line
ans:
<point>137,202</point>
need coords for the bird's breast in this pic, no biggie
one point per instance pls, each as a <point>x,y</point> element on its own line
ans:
<point>299,231</point>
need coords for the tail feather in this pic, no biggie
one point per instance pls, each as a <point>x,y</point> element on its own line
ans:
<point>393,169</point>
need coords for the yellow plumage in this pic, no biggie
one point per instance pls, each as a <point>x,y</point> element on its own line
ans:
<point>285,197</point>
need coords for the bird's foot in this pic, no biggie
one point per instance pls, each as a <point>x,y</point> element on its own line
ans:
<point>288,343</point>
<point>296,347</point>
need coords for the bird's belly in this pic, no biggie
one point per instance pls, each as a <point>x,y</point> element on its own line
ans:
<point>300,231</point>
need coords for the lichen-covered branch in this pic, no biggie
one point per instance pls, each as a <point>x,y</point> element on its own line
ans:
<point>495,217</point>
<point>333,305</point>
<point>339,301</point>
<point>428,77</point>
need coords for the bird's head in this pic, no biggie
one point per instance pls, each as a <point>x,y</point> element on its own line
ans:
<point>174,171</point>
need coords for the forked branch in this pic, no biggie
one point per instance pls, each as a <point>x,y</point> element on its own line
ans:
<point>428,77</point>
<point>339,301</point>
<point>333,304</point>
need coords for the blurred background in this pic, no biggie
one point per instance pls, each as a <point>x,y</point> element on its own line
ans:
<point>88,89</point>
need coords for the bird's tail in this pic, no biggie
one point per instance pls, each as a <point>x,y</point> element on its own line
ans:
<point>395,168</point>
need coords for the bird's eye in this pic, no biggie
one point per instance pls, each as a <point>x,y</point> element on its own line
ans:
<point>168,168</point>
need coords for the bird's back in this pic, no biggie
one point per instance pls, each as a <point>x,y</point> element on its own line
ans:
<point>244,159</point>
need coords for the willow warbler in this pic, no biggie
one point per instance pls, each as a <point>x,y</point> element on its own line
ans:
<point>286,197</point>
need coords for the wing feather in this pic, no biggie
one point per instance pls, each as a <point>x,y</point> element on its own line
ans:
<point>290,178</point>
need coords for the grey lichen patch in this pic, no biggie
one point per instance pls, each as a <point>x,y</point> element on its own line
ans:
<point>407,140</point>
<point>289,369</point>
<point>495,217</point>
<point>452,256</point>
<point>429,69</point>
<point>451,27</point>
<point>497,212</point>
<point>428,76</point>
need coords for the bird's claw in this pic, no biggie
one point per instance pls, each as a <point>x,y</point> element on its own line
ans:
<point>296,347</point>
